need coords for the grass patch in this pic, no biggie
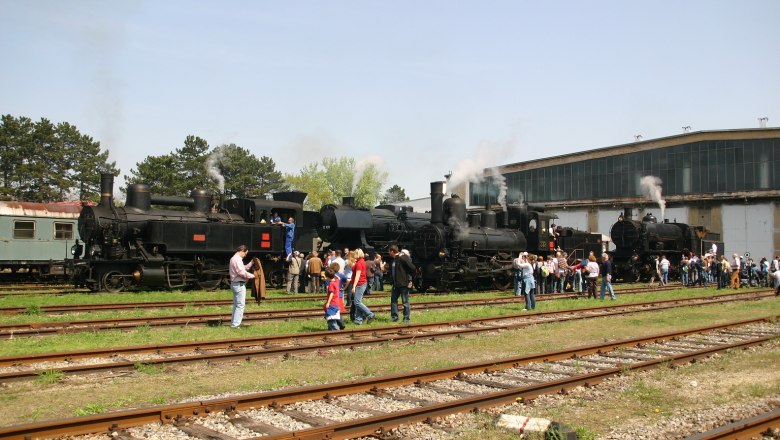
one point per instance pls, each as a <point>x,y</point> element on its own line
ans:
<point>89,409</point>
<point>50,376</point>
<point>149,369</point>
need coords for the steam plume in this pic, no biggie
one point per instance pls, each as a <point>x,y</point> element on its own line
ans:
<point>473,170</point>
<point>212,167</point>
<point>651,187</point>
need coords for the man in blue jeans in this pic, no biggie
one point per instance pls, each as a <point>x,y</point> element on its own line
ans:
<point>606,277</point>
<point>401,272</point>
<point>238,278</point>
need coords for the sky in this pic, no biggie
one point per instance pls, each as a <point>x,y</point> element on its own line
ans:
<point>421,88</point>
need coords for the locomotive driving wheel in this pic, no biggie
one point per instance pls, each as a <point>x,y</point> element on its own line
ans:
<point>278,279</point>
<point>209,275</point>
<point>114,281</point>
<point>502,280</point>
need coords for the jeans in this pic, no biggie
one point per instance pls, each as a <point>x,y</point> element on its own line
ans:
<point>684,277</point>
<point>530,299</point>
<point>239,297</point>
<point>403,292</point>
<point>518,282</point>
<point>333,324</point>
<point>664,276</point>
<point>379,282</point>
<point>578,281</point>
<point>606,284</point>
<point>529,293</point>
<point>361,311</point>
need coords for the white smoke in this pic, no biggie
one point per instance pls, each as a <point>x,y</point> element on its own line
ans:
<point>474,170</point>
<point>499,180</point>
<point>213,170</point>
<point>651,187</point>
<point>362,165</point>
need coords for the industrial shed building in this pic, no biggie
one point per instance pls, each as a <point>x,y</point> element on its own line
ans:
<point>725,180</point>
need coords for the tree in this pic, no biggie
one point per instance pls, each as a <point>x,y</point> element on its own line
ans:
<point>42,162</point>
<point>241,174</point>
<point>228,169</point>
<point>337,178</point>
<point>395,194</point>
<point>176,173</point>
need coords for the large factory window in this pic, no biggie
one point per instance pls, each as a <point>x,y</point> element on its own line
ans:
<point>698,167</point>
<point>63,231</point>
<point>24,229</point>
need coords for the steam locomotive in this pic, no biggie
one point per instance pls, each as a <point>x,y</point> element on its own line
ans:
<point>453,247</point>
<point>139,245</point>
<point>637,243</point>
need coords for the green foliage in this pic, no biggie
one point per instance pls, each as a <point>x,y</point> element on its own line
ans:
<point>149,369</point>
<point>176,173</point>
<point>244,174</point>
<point>90,409</point>
<point>50,376</point>
<point>227,169</point>
<point>43,162</point>
<point>395,194</point>
<point>334,178</point>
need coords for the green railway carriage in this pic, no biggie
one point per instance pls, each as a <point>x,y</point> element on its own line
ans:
<point>36,238</point>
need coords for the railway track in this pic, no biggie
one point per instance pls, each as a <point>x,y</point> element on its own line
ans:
<point>142,305</point>
<point>27,367</point>
<point>42,328</point>
<point>754,427</point>
<point>374,406</point>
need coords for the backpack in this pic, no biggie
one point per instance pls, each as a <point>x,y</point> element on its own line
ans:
<point>545,271</point>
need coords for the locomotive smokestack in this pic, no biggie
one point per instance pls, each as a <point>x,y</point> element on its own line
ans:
<point>106,189</point>
<point>627,213</point>
<point>348,201</point>
<point>437,197</point>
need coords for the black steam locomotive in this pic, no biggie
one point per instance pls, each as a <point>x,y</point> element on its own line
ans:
<point>637,243</point>
<point>453,247</point>
<point>139,245</point>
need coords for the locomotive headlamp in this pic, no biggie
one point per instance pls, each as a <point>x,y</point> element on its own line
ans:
<point>442,253</point>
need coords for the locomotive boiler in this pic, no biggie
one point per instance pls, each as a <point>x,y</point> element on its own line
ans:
<point>347,226</point>
<point>637,243</point>
<point>141,245</point>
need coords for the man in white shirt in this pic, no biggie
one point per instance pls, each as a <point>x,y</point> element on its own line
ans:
<point>238,278</point>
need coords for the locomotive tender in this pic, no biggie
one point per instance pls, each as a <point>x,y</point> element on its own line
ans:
<point>139,245</point>
<point>453,247</point>
<point>637,243</point>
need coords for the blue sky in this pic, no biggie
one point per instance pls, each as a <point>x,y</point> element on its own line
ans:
<point>425,87</point>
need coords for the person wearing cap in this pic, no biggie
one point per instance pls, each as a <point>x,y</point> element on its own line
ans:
<point>294,264</point>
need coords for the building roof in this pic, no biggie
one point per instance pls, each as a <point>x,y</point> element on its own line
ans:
<point>633,147</point>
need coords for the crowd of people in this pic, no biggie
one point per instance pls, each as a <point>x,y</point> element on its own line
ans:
<point>344,281</point>
<point>553,274</point>
<point>347,276</point>
<point>722,272</point>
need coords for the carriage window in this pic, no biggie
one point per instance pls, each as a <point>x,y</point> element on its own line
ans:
<point>532,225</point>
<point>24,229</point>
<point>63,231</point>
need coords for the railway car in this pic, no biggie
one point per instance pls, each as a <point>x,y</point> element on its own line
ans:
<point>36,240</point>
<point>638,242</point>
<point>150,243</point>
